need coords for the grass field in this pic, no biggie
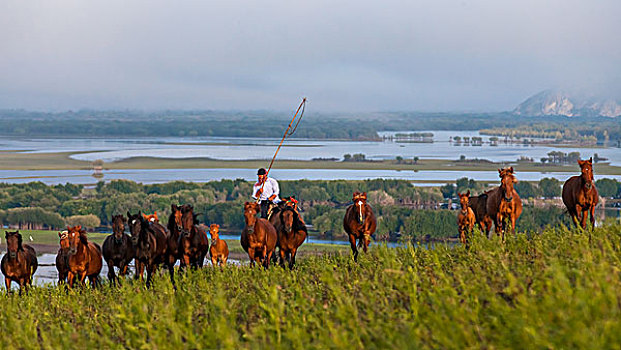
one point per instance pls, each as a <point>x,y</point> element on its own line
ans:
<point>61,161</point>
<point>558,289</point>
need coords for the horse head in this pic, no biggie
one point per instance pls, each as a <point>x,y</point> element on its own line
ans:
<point>118,228</point>
<point>287,218</point>
<point>250,214</point>
<point>463,200</point>
<point>151,218</point>
<point>76,236</point>
<point>507,180</point>
<point>188,219</point>
<point>174,221</point>
<point>13,243</point>
<point>586,169</point>
<point>136,226</point>
<point>64,240</point>
<point>214,232</point>
<point>360,201</point>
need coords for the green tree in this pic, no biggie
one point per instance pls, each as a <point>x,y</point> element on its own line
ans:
<point>550,187</point>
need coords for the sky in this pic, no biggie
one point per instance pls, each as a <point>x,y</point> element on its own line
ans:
<point>344,56</point>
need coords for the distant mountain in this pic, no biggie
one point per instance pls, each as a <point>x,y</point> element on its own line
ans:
<point>557,102</point>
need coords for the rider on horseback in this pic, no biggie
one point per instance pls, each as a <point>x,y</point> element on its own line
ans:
<point>266,190</point>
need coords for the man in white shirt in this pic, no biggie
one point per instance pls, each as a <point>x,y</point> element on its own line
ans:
<point>267,194</point>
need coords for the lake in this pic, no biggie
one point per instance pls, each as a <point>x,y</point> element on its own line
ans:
<point>227,148</point>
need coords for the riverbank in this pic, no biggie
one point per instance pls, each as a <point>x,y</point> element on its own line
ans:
<point>10,160</point>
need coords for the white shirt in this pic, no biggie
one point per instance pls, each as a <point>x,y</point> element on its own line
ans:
<point>270,189</point>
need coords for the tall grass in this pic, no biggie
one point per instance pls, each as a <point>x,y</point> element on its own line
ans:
<point>558,289</point>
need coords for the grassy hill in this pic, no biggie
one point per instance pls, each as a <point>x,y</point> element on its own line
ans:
<point>558,289</point>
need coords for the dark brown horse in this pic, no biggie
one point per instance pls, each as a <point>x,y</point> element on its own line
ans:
<point>62,257</point>
<point>291,233</point>
<point>478,204</point>
<point>504,203</point>
<point>150,246</point>
<point>219,250</point>
<point>359,223</point>
<point>118,249</point>
<point>465,218</point>
<point>84,258</point>
<point>580,195</point>
<point>19,263</point>
<point>193,242</point>
<point>258,237</point>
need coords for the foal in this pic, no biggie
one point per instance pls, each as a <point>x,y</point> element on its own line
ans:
<point>465,218</point>
<point>219,250</point>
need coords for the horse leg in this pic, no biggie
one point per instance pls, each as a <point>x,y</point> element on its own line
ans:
<point>214,260</point>
<point>583,220</point>
<point>282,255</point>
<point>7,283</point>
<point>513,220</point>
<point>366,242</point>
<point>354,249</point>
<point>592,211</point>
<point>111,274</point>
<point>292,258</point>
<point>150,269</point>
<point>70,279</point>
<point>267,256</point>
<point>251,256</point>
<point>82,278</point>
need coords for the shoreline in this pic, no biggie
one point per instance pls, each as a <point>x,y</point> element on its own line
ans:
<point>63,161</point>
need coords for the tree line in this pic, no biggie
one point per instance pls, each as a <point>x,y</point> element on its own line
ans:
<point>403,210</point>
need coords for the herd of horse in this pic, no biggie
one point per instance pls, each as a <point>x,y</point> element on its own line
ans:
<point>502,206</point>
<point>184,240</point>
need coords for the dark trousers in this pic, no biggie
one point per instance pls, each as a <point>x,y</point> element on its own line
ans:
<point>265,207</point>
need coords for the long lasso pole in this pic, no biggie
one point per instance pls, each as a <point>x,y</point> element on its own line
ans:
<point>302,107</point>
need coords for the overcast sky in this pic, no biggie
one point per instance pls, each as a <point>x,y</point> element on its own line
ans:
<point>364,55</point>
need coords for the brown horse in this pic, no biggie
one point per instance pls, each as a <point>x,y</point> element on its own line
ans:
<point>465,218</point>
<point>291,233</point>
<point>258,237</point>
<point>84,257</point>
<point>580,195</point>
<point>219,250</point>
<point>478,204</point>
<point>504,203</point>
<point>193,242</point>
<point>150,246</point>
<point>62,257</point>
<point>359,223</point>
<point>117,249</point>
<point>19,263</point>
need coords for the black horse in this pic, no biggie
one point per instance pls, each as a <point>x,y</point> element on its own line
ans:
<point>117,249</point>
<point>150,245</point>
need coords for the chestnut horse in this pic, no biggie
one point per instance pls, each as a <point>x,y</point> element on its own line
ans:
<point>62,257</point>
<point>150,246</point>
<point>465,218</point>
<point>291,233</point>
<point>151,218</point>
<point>580,195</point>
<point>193,242</point>
<point>84,257</point>
<point>219,250</point>
<point>19,263</point>
<point>258,238</point>
<point>359,223</point>
<point>118,249</point>
<point>478,204</point>
<point>504,203</point>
